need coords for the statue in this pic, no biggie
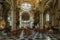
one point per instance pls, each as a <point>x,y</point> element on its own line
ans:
<point>2,24</point>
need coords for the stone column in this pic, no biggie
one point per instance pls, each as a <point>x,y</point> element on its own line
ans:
<point>20,18</point>
<point>59,20</point>
<point>41,9</point>
<point>41,21</point>
<point>1,11</point>
<point>13,16</point>
<point>52,20</point>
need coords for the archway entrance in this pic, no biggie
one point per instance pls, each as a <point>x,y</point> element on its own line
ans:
<point>25,15</point>
<point>26,19</point>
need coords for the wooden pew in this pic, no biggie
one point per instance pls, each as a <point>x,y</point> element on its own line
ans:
<point>15,32</point>
<point>36,29</point>
<point>27,31</point>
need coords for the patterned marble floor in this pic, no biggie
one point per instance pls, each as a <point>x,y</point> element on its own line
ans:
<point>33,36</point>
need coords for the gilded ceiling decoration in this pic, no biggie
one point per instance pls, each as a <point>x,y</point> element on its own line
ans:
<point>26,6</point>
<point>32,2</point>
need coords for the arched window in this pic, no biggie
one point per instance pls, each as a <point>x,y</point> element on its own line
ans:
<point>47,17</point>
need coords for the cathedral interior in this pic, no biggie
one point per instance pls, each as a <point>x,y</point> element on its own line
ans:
<point>29,19</point>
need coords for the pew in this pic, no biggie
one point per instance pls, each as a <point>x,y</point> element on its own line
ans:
<point>15,32</point>
<point>27,31</point>
<point>36,29</point>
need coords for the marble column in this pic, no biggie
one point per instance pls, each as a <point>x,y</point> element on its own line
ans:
<point>59,20</point>
<point>41,21</point>
<point>52,20</point>
<point>13,16</point>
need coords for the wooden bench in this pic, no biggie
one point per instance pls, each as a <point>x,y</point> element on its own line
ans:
<point>15,32</point>
<point>36,29</point>
<point>27,32</point>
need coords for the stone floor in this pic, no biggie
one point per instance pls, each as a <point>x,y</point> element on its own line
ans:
<point>33,36</point>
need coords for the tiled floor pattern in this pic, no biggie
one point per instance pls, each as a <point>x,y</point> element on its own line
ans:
<point>33,36</point>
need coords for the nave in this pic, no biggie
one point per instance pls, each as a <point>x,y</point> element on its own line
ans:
<point>35,35</point>
<point>29,19</point>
